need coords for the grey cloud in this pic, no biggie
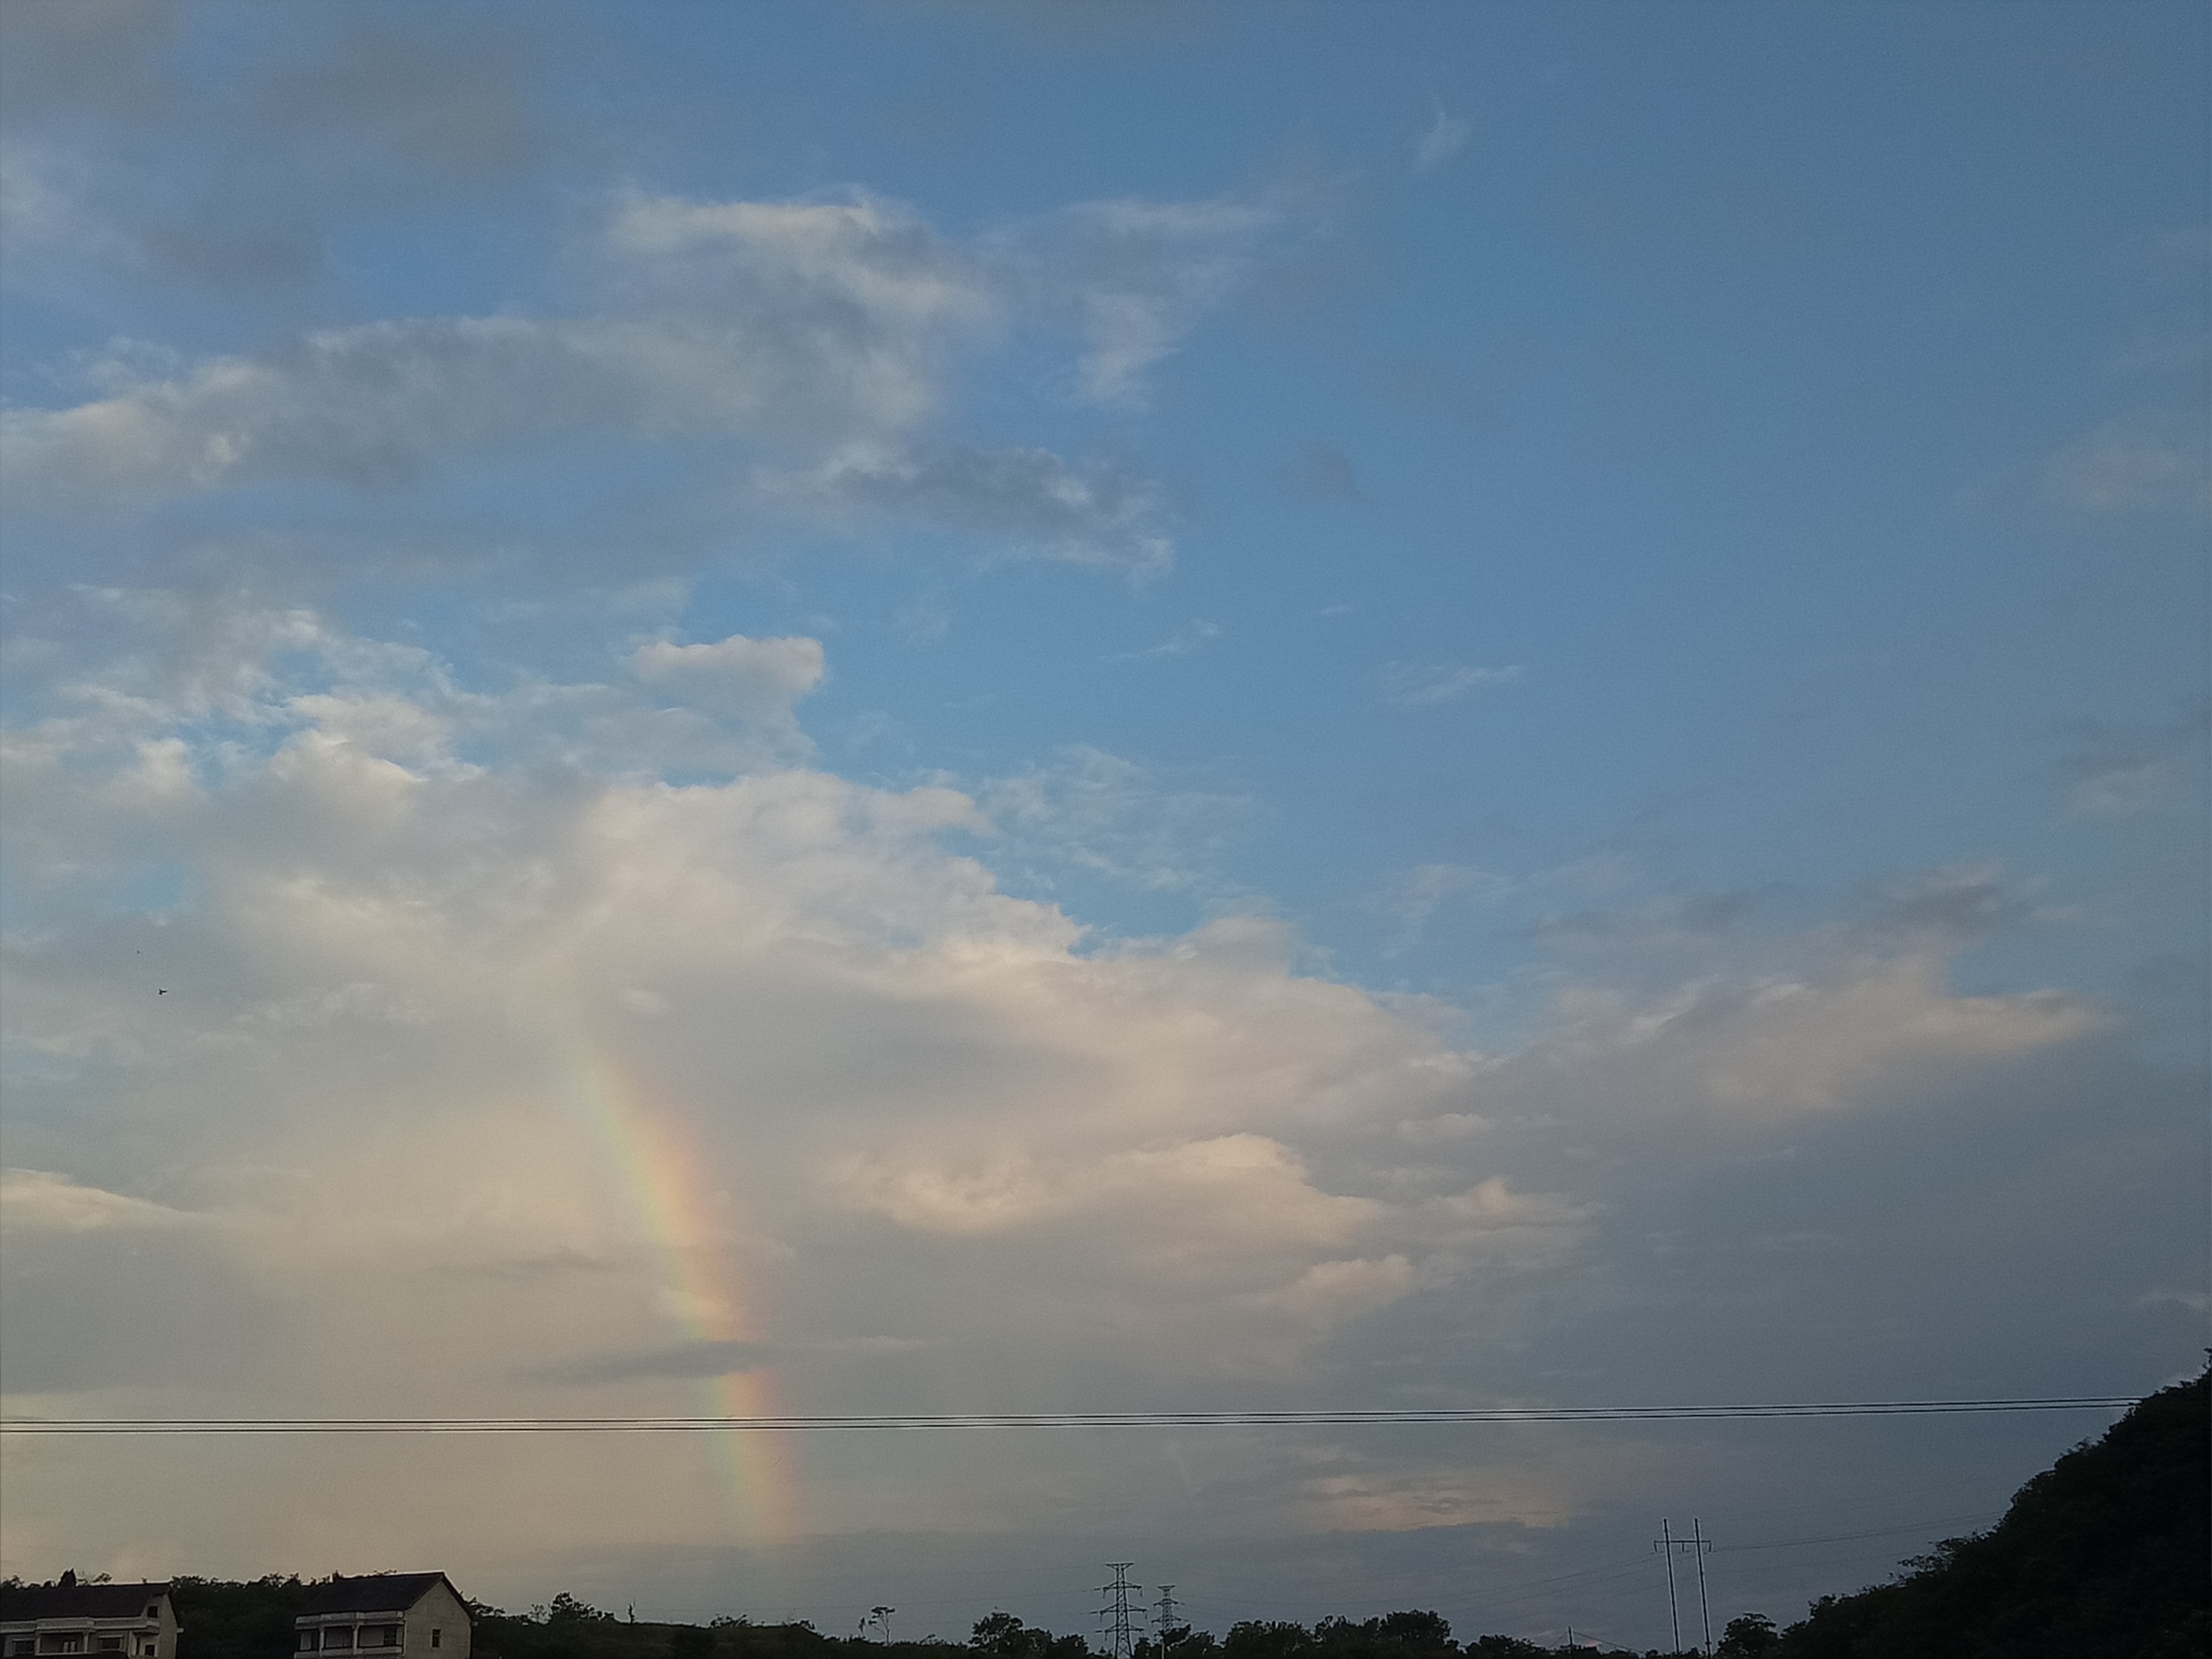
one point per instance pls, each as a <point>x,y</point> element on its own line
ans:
<point>1960,900</point>
<point>98,56</point>
<point>1324,473</point>
<point>248,173</point>
<point>2118,769</point>
<point>549,1264</point>
<point>684,1359</point>
<point>450,98</point>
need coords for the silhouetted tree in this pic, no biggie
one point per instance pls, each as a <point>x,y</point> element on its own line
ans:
<point>1751,1637</point>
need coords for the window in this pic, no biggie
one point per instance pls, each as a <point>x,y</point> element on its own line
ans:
<point>307,1642</point>
<point>73,1643</point>
<point>380,1635</point>
<point>111,1644</point>
<point>434,1634</point>
<point>22,1644</point>
<point>335,1637</point>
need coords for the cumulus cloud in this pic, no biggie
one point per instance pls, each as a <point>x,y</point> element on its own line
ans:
<point>914,1142</point>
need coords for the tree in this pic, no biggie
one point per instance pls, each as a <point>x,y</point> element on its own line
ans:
<point>1267,1638</point>
<point>1751,1637</point>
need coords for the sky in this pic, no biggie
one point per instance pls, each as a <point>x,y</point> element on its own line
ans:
<point>1041,705</point>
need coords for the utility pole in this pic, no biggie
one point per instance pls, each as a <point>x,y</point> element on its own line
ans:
<point>1120,1619</point>
<point>1164,1616</point>
<point>1705,1612</point>
<point>1698,1544</point>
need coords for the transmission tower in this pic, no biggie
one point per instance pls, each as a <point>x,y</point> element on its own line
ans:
<point>1698,1544</point>
<point>1120,1616</point>
<point>1164,1616</point>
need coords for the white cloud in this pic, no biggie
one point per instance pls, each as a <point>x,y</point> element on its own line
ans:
<point>1106,814</point>
<point>802,352</point>
<point>38,1201</point>
<point>2149,460</point>
<point>1137,275</point>
<point>1029,500</point>
<point>1419,686</point>
<point>1412,897</point>
<point>1191,637</point>
<point>758,681</point>
<point>441,972</point>
<point>1444,138</point>
<point>2122,791</point>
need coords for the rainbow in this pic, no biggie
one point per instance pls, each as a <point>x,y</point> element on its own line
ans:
<point>662,1173</point>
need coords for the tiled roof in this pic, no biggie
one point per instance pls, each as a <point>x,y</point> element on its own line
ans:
<point>382,1592</point>
<point>78,1601</point>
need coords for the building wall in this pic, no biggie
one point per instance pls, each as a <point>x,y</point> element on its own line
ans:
<point>437,1626</point>
<point>135,1637</point>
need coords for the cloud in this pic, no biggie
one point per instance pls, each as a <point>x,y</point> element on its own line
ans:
<point>1191,637</point>
<point>795,355</point>
<point>1444,138</point>
<point>2149,460</point>
<point>2121,768</point>
<point>828,321</point>
<point>38,1201</point>
<point>1420,685</point>
<point>99,54</point>
<point>1136,277</point>
<point>1324,473</point>
<point>955,1153</point>
<point>1959,901</point>
<point>1107,814</point>
<point>684,1359</point>
<point>1412,897</point>
<point>757,681</point>
<point>1029,499</point>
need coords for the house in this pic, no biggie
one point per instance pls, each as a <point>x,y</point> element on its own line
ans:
<point>385,1615</point>
<point>130,1621</point>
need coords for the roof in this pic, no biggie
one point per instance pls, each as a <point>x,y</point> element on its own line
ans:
<point>378,1592</point>
<point>20,1601</point>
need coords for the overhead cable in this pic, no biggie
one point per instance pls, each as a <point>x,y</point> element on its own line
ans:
<point>1409,1416</point>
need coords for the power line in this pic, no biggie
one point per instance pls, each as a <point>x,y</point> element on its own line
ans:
<point>217,1425</point>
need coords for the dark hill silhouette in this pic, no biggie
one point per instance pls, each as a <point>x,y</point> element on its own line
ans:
<point>2102,1556</point>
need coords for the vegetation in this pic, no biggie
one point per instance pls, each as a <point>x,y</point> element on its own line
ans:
<point>2102,1556</point>
<point>2106,1555</point>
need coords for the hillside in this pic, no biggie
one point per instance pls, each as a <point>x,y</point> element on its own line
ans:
<point>2102,1556</point>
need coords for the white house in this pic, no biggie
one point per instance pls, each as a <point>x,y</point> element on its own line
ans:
<point>385,1615</point>
<point>129,1621</point>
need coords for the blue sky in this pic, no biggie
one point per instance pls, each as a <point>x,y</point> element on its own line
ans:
<point>1592,605</point>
